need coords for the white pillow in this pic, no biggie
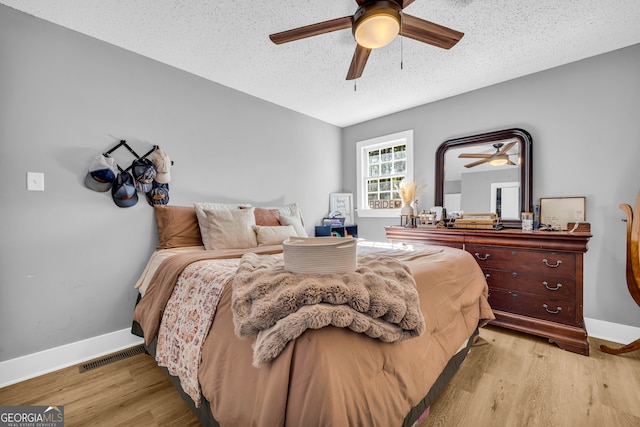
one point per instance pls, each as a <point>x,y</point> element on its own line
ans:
<point>274,235</point>
<point>230,229</point>
<point>291,209</point>
<point>200,208</point>
<point>291,214</point>
<point>296,222</point>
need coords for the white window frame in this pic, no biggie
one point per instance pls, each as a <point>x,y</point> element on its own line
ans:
<point>362,147</point>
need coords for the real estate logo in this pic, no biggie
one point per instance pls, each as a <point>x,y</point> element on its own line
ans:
<point>31,416</point>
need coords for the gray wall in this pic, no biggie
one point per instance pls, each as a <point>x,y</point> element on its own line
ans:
<point>70,257</point>
<point>583,118</point>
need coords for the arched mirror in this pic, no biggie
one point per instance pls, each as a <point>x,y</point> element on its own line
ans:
<point>489,172</point>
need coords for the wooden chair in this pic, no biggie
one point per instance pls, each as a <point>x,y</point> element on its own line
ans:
<point>633,268</point>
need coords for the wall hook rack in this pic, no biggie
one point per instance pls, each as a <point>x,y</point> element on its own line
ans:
<point>123,143</point>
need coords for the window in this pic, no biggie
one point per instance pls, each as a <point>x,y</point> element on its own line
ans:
<point>383,162</point>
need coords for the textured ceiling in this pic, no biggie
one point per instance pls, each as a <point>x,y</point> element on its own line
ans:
<point>227,42</point>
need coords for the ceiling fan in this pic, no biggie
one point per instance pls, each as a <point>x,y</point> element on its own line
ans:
<point>375,24</point>
<point>499,158</point>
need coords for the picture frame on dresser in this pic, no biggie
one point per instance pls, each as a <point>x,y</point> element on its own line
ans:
<point>557,212</point>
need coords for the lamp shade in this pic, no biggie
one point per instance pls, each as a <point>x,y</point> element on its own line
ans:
<point>376,24</point>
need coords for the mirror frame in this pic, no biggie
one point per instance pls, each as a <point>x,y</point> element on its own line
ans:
<point>526,194</point>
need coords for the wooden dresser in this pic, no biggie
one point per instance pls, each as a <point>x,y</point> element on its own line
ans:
<point>535,278</point>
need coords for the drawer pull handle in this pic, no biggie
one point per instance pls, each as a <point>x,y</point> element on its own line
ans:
<point>557,310</point>
<point>514,253</point>
<point>546,285</point>
<point>514,274</point>
<point>482,258</point>
<point>556,265</point>
<point>487,276</point>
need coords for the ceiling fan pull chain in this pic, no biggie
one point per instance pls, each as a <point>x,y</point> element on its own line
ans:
<point>401,53</point>
<point>401,44</point>
<point>356,79</point>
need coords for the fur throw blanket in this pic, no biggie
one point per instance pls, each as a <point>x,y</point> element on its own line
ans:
<point>379,299</point>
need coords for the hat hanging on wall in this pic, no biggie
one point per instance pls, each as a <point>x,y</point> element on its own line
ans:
<point>159,195</point>
<point>102,173</point>
<point>144,172</point>
<point>124,191</point>
<point>162,163</point>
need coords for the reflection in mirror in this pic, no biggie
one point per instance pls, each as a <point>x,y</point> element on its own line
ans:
<point>476,169</point>
<point>489,172</point>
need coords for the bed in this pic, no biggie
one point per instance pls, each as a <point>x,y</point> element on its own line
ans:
<point>339,372</point>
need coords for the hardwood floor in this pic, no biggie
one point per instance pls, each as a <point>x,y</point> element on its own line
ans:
<point>129,392</point>
<point>522,380</point>
<point>515,380</point>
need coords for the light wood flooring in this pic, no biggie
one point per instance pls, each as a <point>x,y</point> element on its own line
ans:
<point>520,380</point>
<point>514,380</point>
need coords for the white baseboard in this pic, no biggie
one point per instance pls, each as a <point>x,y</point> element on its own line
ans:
<point>36,364</point>
<point>614,332</point>
<point>32,365</point>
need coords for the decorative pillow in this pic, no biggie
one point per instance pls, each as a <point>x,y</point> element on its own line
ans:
<point>293,216</point>
<point>291,209</point>
<point>230,229</point>
<point>200,208</point>
<point>274,235</point>
<point>264,216</point>
<point>294,221</point>
<point>177,226</point>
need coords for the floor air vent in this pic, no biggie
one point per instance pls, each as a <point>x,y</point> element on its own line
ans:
<point>112,358</point>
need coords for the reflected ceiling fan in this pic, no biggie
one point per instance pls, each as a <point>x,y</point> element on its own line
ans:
<point>375,24</point>
<point>499,158</point>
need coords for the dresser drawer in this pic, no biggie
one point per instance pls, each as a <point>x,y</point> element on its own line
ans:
<point>532,306</point>
<point>547,286</point>
<point>523,260</point>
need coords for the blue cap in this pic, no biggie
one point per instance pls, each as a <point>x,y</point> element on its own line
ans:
<point>102,172</point>
<point>124,191</point>
<point>159,195</point>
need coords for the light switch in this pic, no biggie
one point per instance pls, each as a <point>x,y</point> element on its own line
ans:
<point>35,181</point>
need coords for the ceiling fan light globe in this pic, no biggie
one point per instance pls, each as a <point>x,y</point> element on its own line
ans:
<point>500,160</point>
<point>376,23</point>
<point>377,30</point>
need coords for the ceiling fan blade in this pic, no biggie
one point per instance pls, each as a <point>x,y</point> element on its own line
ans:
<point>511,163</point>
<point>479,162</point>
<point>358,62</point>
<point>428,32</point>
<point>312,30</point>
<point>474,156</point>
<point>507,147</point>
<point>404,3</point>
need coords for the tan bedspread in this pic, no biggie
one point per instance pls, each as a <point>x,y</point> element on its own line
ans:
<point>333,376</point>
<point>159,288</point>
